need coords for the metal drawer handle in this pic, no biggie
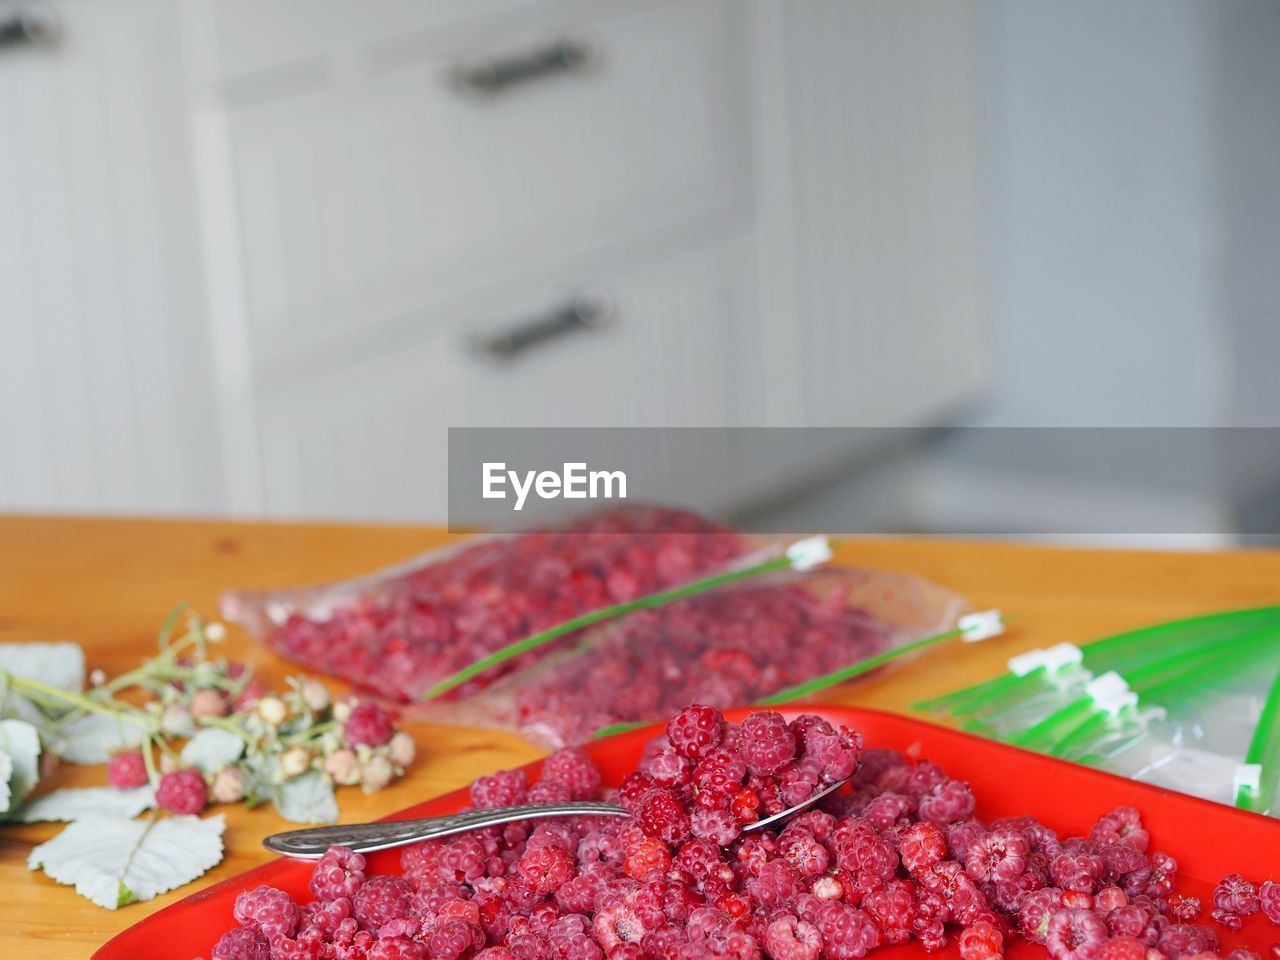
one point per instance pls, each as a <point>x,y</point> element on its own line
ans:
<point>30,27</point>
<point>489,77</point>
<point>590,309</point>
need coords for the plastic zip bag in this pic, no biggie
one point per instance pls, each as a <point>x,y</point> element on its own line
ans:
<point>730,646</point>
<point>1040,682</point>
<point>1181,716</point>
<point>1256,782</point>
<point>1192,733</point>
<point>397,631</point>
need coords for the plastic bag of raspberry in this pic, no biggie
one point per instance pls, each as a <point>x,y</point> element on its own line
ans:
<point>397,631</point>
<point>731,646</point>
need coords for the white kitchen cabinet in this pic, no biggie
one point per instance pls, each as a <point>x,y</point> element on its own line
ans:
<point>246,243</point>
<point>104,363</point>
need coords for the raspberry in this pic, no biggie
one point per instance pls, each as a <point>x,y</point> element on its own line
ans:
<point>339,873</point>
<point>396,948</point>
<point>666,768</point>
<point>1036,911</point>
<point>717,778</point>
<point>1269,900</point>
<point>948,802</point>
<point>242,943</point>
<point>1110,898</point>
<point>368,725</point>
<point>790,939</point>
<point>887,810</point>
<point>1237,895</point>
<point>506,788</point>
<point>767,743</point>
<point>921,846</point>
<point>1122,825</point>
<point>846,931</point>
<point>803,851</point>
<point>799,780</point>
<point>182,791</point>
<point>126,770</point>
<point>1000,855</point>
<point>1187,909</point>
<point>576,770</point>
<point>1123,948</point>
<point>571,938</point>
<point>662,815</point>
<point>859,848</point>
<point>1075,935</point>
<point>616,924</point>
<point>1232,921</point>
<point>777,882</point>
<point>545,869</point>
<point>981,941</point>
<point>893,909</point>
<point>1075,871</point>
<point>380,900</point>
<point>550,791</point>
<point>270,911</point>
<point>836,750</point>
<point>633,787</point>
<point>695,731</point>
<point>648,857</point>
<point>452,939</point>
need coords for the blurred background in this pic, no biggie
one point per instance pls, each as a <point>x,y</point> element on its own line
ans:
<point>256,256</point>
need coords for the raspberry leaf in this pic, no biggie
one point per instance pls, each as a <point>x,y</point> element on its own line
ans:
<point>6,771</point>
<point>76,802</point>
<point>20,743</point>
<point>306,798</point>
<point>114,861</point>
<point>212,749</point>
<point>93,737</point>
<point>59,665</point>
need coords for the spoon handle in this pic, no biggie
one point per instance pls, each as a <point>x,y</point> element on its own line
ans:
<point>364,837</point>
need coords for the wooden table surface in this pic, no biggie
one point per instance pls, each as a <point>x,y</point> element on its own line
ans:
<point>107,584</point>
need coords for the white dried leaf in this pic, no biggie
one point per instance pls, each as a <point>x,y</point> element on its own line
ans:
<point>115,861</point>
<point>57,664</point>
<point>93,737</point>
<point>6,771</point>
<point>76,802</point>
<point>211,749</point>
<point>306,798</point>
<point>21,743</point>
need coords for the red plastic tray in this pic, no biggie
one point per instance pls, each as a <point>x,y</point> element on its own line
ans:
<point>1209,840</point>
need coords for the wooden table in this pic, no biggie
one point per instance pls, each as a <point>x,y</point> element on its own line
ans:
<point>107,584</point>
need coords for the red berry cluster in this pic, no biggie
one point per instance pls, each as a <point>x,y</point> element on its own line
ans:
<point>897,857</point>
<point>408,632</point>
<point>724,647</point>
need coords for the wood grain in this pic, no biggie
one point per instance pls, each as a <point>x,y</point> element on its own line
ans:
<point>107,584</point>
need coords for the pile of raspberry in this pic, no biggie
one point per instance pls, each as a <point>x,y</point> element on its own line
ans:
<point>896,857</point>
<point>721,648</point>
<point>405,634</point>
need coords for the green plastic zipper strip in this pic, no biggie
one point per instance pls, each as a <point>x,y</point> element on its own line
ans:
<point>1262,757</point>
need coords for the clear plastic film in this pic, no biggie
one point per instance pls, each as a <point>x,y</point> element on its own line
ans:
<point>399,631</point>
<point>734,645</point>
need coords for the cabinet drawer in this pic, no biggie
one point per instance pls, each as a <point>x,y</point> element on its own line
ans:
<point>368,191</point>
<point>368,438</point>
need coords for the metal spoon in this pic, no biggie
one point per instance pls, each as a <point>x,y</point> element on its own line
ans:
<point>311,843</point>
